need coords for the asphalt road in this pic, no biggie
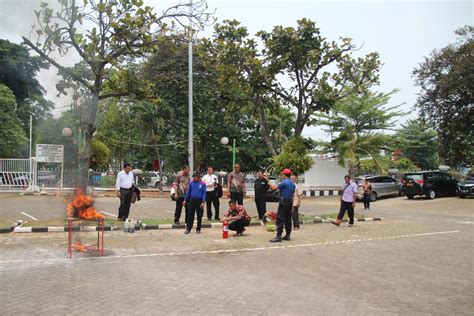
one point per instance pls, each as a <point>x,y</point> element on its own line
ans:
<point>418,260</point>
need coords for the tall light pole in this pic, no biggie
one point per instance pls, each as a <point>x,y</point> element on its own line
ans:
<point>190,95</point>
<point>225,141</point>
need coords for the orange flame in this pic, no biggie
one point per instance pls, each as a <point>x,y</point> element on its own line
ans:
<point>82,206</point>
<point>79,247</point>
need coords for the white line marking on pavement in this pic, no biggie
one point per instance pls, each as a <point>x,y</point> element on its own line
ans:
<point>29,216</point>
<point>110,214</point>
<point>64,260</point>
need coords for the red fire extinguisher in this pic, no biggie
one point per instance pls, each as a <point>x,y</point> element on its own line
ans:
<point>225,230</point>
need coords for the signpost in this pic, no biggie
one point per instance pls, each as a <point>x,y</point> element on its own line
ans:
<point>51,154</point>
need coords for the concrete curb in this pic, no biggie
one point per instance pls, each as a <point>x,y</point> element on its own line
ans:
<point>59,229</point>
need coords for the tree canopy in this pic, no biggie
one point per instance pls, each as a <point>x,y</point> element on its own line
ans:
<point>446,80</point>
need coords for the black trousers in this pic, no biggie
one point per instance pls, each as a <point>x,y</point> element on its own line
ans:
<point>366,198</point>
<point>193,208</point>
<point>125,201</point>
<point>237,196</point>
<point>346,206</point>
<point>284,216</point>
<point>179,208</point>
<point>295,216</point>
<point>211,198</point>
<point>239,225</point>
<point>261,203</point>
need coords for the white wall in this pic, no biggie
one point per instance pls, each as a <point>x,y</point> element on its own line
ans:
<point>325,173</point>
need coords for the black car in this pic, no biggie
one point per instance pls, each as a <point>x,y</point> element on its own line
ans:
<point>466,187</point>
<point>273,195</point>
<point>429,183</point>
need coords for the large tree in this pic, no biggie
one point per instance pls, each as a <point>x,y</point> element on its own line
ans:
<point>317,72</point>
<point>11,132</point>
<point>446,79</point>
<point>417,142</point>
<point>109,37</point>
<point>18,70</point>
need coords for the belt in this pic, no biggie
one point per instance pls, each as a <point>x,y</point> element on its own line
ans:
<point>125,189</point>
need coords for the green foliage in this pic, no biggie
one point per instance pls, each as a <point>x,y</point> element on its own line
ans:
<point>402,164</point>
<point>418,142</point>
<point>320,72</point>
<point>354,123</point>
<point>100,154</point>
<point>293,156</point>
<point>365,112</point>
<point>18,72</point>
<point>11,132</point>
<point>446,80</point>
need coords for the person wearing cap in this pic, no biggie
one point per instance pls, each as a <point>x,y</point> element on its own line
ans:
<point>287,189</point>
<point>195,199</point>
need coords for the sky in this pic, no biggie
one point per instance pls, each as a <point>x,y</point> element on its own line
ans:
<point>403,32</point>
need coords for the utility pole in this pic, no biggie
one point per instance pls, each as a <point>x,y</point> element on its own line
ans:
<point>190,95</point>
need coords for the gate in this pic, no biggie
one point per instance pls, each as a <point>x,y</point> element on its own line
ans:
<point>16,174</point>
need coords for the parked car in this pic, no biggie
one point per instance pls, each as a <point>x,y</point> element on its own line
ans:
<point>381,186</point>
<point>466,187</point>
<point>154,177</point>
<point>272,195</point>
<point>429,183</point>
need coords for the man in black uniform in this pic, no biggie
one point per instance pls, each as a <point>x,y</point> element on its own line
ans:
<point>261,187</point>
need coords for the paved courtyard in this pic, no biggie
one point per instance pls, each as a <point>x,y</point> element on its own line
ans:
<point>418,260</point>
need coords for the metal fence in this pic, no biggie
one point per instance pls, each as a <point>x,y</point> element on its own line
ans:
<point>15,174</point>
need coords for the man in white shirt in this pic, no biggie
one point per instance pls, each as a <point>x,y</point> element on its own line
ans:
<point>123,189</point>
<point>348,199</point>
<point>211,197</point>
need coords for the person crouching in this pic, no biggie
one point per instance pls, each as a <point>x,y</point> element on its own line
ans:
<point>237,218</point>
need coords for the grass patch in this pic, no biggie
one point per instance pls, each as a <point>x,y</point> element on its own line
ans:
<point>6,224</point>
<point>334,215</point>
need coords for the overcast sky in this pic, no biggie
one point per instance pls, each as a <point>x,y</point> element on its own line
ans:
<point>401,31</point>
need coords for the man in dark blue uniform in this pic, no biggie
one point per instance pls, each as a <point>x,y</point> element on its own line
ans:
<point>287,188</point>
<point>195,198</point>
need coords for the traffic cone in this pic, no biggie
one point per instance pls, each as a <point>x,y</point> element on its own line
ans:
<point>225,230</point>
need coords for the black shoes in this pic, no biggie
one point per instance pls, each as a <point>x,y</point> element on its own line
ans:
<point>186,232</point>
<point>276,239</point>
<point>286,237</point>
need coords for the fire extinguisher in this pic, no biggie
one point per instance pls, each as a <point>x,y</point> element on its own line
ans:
<point>225,230</point>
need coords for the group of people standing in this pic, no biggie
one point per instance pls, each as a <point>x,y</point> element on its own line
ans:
<point>193,195</point>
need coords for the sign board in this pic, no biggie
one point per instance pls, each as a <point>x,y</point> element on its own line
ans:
<point>49,153</point>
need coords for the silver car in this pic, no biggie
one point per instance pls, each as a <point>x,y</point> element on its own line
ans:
<point>381,186</point>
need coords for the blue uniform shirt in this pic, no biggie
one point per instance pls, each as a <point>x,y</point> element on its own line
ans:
<point>287,188</point>
<point>196,191</point>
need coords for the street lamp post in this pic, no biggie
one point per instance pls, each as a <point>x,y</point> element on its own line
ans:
<point>225,141</point>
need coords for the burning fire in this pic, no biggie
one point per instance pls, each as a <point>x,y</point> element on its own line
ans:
<point>82,206</point>
<point>79,247</point>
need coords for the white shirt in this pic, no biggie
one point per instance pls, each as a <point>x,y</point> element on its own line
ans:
<point>209,179</point>
<point>124,180</point>
<point>349,190</point>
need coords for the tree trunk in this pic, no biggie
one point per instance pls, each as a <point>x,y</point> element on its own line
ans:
<point>85,152</point>
<point>265,130</point>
